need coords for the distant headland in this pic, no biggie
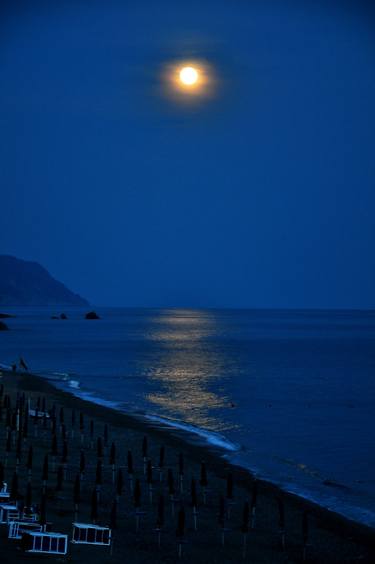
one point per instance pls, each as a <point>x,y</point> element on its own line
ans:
<point>27,283</point>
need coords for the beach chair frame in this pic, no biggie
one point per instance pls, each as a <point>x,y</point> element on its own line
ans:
<point>46,543</point>
<point>17,528</point>
<point>8,512</point>
<point>87,533</point>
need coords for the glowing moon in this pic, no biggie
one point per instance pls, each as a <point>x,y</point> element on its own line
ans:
<point>188,82</point>
<point>188,76</point>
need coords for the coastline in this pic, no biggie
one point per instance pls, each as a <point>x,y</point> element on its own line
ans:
<point>332,534</point>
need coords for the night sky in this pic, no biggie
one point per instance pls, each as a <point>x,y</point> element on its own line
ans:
<point>260,195</point>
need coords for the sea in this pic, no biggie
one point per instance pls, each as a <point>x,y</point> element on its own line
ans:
<point>287,394</point>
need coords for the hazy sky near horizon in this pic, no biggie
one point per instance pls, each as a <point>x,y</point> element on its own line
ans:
<point>263,196</point>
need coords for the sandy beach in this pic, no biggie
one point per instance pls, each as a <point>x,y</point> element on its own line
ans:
<point>277,533</point>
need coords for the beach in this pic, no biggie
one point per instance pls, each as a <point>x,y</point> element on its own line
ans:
<point>276,535</point>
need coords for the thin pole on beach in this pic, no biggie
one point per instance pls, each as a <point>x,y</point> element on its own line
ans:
<point>91,434</point>
<point>204,482</point>
<point>221,519</point>
<point>171,489</point>
<point>14,487</point>
<point>194,503</point>
<point>94,506</point>
<point>99,448</point>
<point>73,424</point>
<point>99,478</point>
<point>82,428</point>
<point>180,531</point>
<point>119,484</point>
<point>8,447</point>
<point>112,461</point>
<point>45,474</point>
<point>305,534</point>
<point>160,519</point>
<point>113,524</point>
<point>161,462</point>
<point>281,508</point>
<point>77,496</point>
<point>245,527</point>
<point>254,503</point>
<point>149,480</point>
<point>28,498</point>
<point>229,493</point>
<point>181,472</point>
<point>64,458</point>
<point>144,454</point>
<point>29,463</point>
<point>130,469</point>
<point>54,451</point>
<point>137,503</point>
<point>82,464</point>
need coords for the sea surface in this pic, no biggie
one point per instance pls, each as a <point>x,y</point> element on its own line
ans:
<point>287,394</point>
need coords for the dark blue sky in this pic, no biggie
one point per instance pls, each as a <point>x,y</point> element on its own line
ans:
<point>261,197</point>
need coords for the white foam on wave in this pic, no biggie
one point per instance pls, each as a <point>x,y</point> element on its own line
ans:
<point>211,437</point>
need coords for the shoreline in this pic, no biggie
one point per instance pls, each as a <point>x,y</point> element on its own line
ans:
<point>194,439</point>
<point>332,538</point>
<point>214,456</point>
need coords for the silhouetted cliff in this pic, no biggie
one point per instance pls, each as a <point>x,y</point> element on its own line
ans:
<point>28,283</point>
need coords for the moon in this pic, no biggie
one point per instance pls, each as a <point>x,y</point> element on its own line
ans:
<point>188,76</point>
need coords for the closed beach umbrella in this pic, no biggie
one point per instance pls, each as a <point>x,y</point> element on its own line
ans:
<point>281,508</point>
<point>113,515</point>
<point>245,518</point>
<point>2,474</point>
<point>43,510</point>
<point>194,502</point>
<point>106,434</point>
<point>181,471</point>
<point>60,479</point>
<point>161,462</point>
<point>54,445</point>
<point>160,518</point>
<point>28,498</point>
<point>170,480</point>
<point>81,422</point>
<point>76,495</point>
<point>130,463</point>
<point>94,506</point>
<point>230,486</point>
<point>77,490</point>
<point>180,531</point>
<point>99,447</point>
<point>119,483</point>
<point>29,463</point>
<point>64,458</point>
<point>203,481</point>
<point>305,533</point>
<point>144,447</point>
<point>61,415</point>
<point>45,469</point>
<point>112,455</point>
<point>14,487</point>
<point>245,526</point>
<point>82,463</point>
<point>161,457</point>
<point>99,474</point>
<point>137,503</point>
<point>25,424</point>
<point>137,494</point>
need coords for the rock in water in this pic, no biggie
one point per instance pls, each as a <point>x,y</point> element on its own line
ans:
<point>3,326</point>
<point>92,315</point>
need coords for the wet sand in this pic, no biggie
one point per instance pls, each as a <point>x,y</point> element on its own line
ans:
<point>331,538</point>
